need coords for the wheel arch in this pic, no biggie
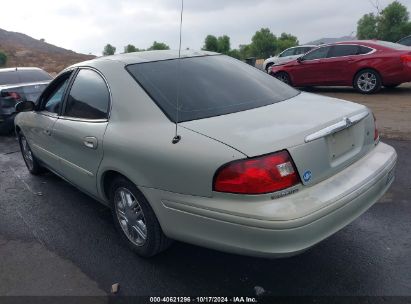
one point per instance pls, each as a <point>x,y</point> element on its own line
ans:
<point>366,68</point>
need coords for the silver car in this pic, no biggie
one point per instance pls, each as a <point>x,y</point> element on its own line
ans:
<point>185,149</point>
<point>287,55</point>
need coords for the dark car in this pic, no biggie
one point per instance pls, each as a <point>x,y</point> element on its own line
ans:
<point>18,84</point>
<point>366,65</point>
<point>405,41</point>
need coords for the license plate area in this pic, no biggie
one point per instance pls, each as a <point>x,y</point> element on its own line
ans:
<point>340,143</point>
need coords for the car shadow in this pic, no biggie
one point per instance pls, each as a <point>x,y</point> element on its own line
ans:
<point>401,90</point>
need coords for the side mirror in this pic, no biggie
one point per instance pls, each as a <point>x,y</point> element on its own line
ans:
<point>25,106</point>
<point>300,59</point>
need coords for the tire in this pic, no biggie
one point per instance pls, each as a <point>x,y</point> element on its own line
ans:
<point>32,164</point>
<point>284,77</point>
<point>367,81</point>
<point>270,64</point>
<point>391,86</point>
<point>135,220</point>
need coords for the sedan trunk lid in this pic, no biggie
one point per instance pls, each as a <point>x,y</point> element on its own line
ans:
<point>309,126</point>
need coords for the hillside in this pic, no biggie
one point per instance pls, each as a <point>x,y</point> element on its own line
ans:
<point>23,50</point>
<point>331,40</point>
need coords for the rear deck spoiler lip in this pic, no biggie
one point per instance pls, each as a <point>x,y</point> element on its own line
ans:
<point>345,123</point>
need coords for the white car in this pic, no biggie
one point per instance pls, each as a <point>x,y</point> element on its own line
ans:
<point>287,55</point>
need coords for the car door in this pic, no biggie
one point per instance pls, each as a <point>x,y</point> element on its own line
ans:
<point>310,70</point>
<point>338,64</point>
<point>79,131</point>
<point>41,122</point>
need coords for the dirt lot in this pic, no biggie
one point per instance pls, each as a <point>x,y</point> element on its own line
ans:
<point>392,108</point>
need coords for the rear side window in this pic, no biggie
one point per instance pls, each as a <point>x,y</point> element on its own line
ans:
<point>289,52</point>
<point>89,97</point>
<point>33,76</point>
<point>300,51</point>
<point>208,86</point>
<point>319,53</point>
<point>364,50</point>
<point>10,77</point>
<point>343,50</point>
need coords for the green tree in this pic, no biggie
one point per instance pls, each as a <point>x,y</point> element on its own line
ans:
<point>235,54</point>
<point>220,45</point>
<point>109,50</point>
<point>286,41</point>
<point>367,27</point>
<point>3,59</point>
<point>211,44</point>
<point>264,43</point>
<point>158,46</point>
<point>245,51</point>
<point>224,44</point>
<point>390,24</point>
<point>131,49</point>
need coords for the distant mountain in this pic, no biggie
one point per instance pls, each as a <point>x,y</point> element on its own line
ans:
<point>23,50</point>
<point>331,40</point>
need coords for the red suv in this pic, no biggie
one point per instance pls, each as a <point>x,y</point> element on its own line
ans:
<point>365,65</point>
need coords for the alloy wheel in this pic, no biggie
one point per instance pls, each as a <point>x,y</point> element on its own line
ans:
<point>367,81</point>
<point>130,216</point>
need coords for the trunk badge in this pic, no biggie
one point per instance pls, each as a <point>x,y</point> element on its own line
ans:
<point>348,122</point>
<point>307,176</point>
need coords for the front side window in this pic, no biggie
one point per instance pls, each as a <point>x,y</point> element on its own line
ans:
<point>207,86</point>
<point>53,102</point>
<point>317,54</point>
<point>89,97</point>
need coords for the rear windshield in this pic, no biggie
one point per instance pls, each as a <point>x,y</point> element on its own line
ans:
<point>23,76</point>
<point>33,75</point>
<point>207,86</point>
<point>392,45</point>
<point>10,77</point>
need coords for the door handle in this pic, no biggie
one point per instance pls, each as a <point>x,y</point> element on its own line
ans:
<point>90,142</point>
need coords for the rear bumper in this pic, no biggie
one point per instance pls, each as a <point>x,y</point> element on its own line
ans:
<point>265,227</point>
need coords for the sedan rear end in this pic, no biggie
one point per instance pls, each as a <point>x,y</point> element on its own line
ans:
<point>16,85</point>
<point>188,150</point>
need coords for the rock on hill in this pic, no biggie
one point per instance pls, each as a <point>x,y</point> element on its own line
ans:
<point>23,50</point>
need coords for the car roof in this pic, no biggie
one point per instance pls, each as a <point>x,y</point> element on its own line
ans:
<point>20,69</point>
<point>148,56</point>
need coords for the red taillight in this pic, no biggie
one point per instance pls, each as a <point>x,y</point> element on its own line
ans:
<point>16,96</point>
<point>406,58</point>
<point>259,175</point>
<point>376,134</point>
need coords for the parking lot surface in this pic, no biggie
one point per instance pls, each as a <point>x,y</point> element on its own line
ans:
<point>54,240</point>
<point>392,107</point>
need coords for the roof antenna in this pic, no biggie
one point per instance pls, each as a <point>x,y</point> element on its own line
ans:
<point>177,137</point>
